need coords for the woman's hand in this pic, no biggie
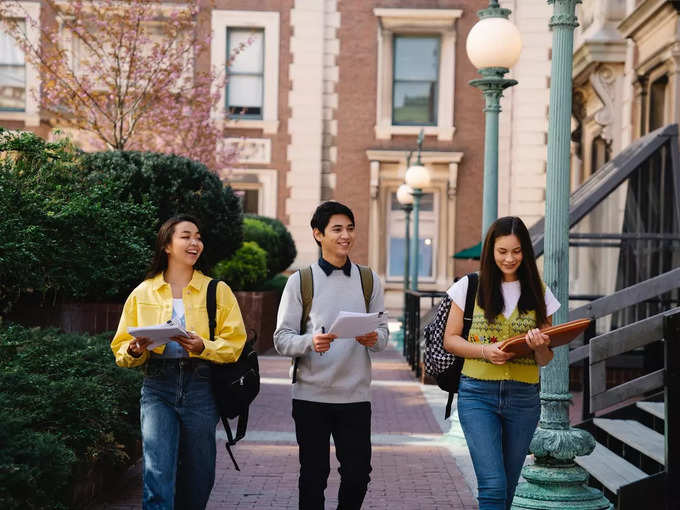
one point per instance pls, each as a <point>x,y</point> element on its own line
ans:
<point>494,355</point>
<point>540,344</point>
<point>192,343</point>
<point>138,346</point>
<point>537,340</point>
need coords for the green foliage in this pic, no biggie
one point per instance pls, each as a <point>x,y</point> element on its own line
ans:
<point>266,238</point>
<point>62,233</point>
<point>278,283</point>
<point>280,255</point>
<point>246,270</point>
<point>174,184</point>
<point>65,408</point>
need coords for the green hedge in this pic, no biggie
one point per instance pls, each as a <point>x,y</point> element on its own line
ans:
<point>246,270</point>
<point>79,226</point>
<point>280,255</point>
<point>65,409</point>
<point>174,184</point>
<point>62,234</point>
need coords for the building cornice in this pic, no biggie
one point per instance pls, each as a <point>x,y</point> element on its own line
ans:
<point>399,156</point>
<point>632,23</point>
<point>403,18</point>
<point>594,52</point>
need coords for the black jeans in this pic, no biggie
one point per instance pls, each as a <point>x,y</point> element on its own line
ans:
<point>350,426</point>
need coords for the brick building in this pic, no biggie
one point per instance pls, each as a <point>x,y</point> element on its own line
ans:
<point>328,99</point>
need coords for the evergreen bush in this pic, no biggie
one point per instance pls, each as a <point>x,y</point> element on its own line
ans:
<point>174,184</point>
<point>66,410</point>
<point>246,270</point>
<point>283,255</point>
<point>62,234</point>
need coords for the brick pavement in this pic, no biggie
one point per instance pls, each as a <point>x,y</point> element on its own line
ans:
<point>415,465</point>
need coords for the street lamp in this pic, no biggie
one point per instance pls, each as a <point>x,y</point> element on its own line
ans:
<point>493,46</point>
<point>555,481</point>
<point>417,177</point>
<point>405,198</point>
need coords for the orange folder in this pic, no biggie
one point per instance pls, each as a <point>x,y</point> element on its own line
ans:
<point>559,335</point>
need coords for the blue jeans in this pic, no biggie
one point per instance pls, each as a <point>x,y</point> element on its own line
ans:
<point>498,419</point>
<point>179,418</point>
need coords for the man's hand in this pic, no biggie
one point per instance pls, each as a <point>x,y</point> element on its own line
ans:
<point>368,340</point>
<point>322,341</point>
<point>192,343</point>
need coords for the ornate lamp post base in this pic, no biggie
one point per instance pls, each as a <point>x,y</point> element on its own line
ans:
<point>557,487</point>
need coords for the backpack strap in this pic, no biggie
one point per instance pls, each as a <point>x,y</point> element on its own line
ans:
<point>366,284</point>
<point>470,298</point>
<point>307,295</point>
<point>211,306</point>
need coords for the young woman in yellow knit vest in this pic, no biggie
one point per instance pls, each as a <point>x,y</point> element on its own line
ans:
<point>498,399</point>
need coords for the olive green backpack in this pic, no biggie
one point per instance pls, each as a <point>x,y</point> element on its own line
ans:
<point>307,293</point>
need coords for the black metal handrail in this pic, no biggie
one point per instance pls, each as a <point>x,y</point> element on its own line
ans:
<point>412,323</point>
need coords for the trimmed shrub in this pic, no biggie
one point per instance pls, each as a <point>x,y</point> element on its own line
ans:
<point>174,184</point>
<point>246,270</point>
<point>66,409</point>
<point>62,234</point>
<point>266,238</point>
<point>281,257</point>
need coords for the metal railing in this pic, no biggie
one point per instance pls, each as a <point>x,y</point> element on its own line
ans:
<point>412,325</point>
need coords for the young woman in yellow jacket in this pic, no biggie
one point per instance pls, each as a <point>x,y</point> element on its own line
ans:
<point>498,397</point>
<point>177,408</point>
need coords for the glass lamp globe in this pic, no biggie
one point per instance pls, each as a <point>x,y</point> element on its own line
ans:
<point>405,194</point>
<point>417,176</point>
<point>494,42</point>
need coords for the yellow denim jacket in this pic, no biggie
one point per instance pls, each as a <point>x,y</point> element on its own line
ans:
<point>151,303</point>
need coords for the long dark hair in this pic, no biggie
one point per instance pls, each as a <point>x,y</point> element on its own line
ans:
<point>159,262</point>
<point>489,296</point>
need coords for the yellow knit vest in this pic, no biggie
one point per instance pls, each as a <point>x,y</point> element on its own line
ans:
<point>518,369</point>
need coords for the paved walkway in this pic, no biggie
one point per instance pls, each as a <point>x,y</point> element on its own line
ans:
<point>416,466</point>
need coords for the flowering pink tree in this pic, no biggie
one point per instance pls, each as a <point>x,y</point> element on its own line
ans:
<point>126,73</point>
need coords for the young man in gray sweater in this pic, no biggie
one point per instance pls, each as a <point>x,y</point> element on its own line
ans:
<point>331,393</point>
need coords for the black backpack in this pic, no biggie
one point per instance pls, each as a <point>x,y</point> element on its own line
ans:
<point>442,365</point>
<point>235,385</point>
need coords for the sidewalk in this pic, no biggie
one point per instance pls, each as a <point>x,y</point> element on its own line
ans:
<point>415,465</point>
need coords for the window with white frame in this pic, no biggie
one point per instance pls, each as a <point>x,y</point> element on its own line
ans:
<point>416,80</point>
<point>416,72</point>
<point>396,238</point>
<point>250,98</point>
<point>12,73</point>
<point>245,88</point>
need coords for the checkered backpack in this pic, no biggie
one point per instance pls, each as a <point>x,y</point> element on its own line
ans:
<point>440,364</point>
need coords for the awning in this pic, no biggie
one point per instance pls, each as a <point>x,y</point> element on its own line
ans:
<point>473,252</point>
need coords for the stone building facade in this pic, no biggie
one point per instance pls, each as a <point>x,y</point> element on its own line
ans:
<point>327,101</point>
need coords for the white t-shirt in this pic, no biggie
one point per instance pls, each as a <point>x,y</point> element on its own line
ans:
<point>511,292</point>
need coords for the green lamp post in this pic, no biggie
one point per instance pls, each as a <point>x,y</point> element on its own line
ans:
<point>405,198</point>
<point>417,177</point>
<point>493,46</point>
<point>555,480</point>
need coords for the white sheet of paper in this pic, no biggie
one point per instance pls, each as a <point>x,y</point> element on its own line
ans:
<point>353,324</point>
<point>160,334</point>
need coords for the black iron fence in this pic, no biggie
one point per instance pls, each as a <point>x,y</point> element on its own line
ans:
<point>413,324</point>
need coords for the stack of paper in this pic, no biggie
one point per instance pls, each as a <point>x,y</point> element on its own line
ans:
<point>160,334</point>
<point>353,324</point>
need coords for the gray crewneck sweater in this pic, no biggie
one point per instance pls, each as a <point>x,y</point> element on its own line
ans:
<point>343,373</point>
